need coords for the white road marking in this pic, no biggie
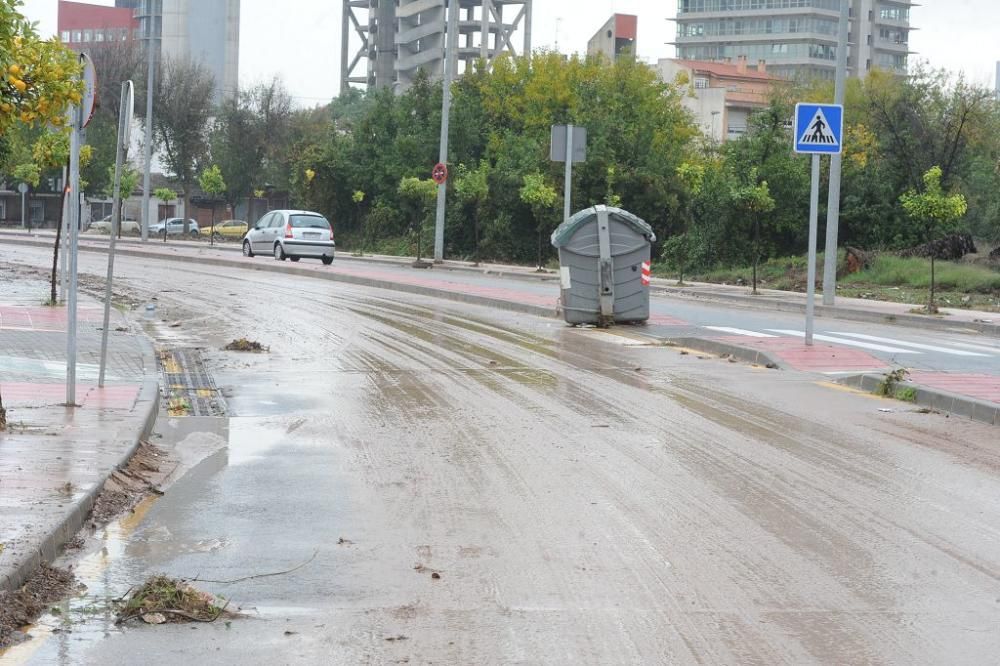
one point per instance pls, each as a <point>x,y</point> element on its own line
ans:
<point>983,348</point>
<point>846,343</point>
<point>915,345</point>
<point>740,331</point>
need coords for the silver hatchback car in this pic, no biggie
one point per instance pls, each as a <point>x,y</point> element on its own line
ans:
<point>291,234</point>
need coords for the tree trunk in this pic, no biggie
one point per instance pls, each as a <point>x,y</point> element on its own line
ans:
<point>931,307</point>
<point>475,232</point>
<point>53,295</point>
<point>3,415</point>
<point>539,249</point>
<point>756,252</point>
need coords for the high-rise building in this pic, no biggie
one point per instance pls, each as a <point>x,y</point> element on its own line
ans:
<point>83,26</point>
<point>206,31</point>
<point>399,38</point>
<point>616,37</point>
<point>797,38</point>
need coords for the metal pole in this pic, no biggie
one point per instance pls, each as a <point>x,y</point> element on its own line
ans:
<point>453,9</point>
<point>836,164</point>
<point>74,227</point>
<point>345,38</point>
<point>813,232</point>
<point>148,139</point>
<point>116,217</point>
<point>23,218</point>
<point>568,187</point>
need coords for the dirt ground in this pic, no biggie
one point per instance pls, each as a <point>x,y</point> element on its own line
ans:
<point>129,486</point>
<point>20,608</point>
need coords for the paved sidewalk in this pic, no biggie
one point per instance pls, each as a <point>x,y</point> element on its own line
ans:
<point>54,460</point>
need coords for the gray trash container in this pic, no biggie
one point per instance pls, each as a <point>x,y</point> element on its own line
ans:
<point>604,266</point>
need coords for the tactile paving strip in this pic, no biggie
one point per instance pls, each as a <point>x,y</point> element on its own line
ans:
<point>188,387</point>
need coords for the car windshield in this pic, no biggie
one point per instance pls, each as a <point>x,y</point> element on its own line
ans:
<point>308,222</point>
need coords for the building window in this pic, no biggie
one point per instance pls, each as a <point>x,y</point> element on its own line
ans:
<point>3,210</point>
<point>700,82</point>
<point>64,36</point>
<point>77,37</point>
<point>98,35</point>
<point>88,36</point>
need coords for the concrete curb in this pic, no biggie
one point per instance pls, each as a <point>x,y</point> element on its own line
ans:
<point>834,312</point>
<point>49,550</point>
<point>291,269</point>
<point>660,287</point>
<point>951,403</point>
<point>745,354</point>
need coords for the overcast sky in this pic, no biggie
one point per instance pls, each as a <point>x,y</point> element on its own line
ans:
<point>956,34</point>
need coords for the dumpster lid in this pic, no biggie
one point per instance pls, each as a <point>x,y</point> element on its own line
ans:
<point>565,231</point>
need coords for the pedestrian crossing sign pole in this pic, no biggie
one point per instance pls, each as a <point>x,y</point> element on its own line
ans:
<point>818,131</point>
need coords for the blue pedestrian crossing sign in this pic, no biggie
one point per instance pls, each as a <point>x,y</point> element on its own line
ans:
<point>819,128</point>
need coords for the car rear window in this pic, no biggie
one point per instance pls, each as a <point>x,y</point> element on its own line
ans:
<point>308,222</point>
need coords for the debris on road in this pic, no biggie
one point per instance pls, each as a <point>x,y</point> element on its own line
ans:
<point>162,599</point>
<point>128,486</point>
<point>22,607</point>
<point>244,345</point>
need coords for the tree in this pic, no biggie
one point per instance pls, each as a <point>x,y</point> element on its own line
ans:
<point>129,181</point>
<point>677,249</point>
<point>165,195</point>
<point>251,139</point>
<point>472,188</point>
<point>183,108</point>
<point>541,197</point>
<point>418,197</point>
<point>212,184</point>
<point>937,212</point>
<point>754,200</point>
<point>39,78</point>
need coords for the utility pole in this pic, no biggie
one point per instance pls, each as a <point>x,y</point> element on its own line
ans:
<point>453,8</point>
<point>148,138</point>
<point>836,164</point>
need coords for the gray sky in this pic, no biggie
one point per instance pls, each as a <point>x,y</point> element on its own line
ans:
<point>955,34</point>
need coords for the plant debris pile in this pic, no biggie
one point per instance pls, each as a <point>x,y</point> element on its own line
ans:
<point>128,486</point>
<point>244,345</point>
<point>22,607</point>
<point>162,599</point>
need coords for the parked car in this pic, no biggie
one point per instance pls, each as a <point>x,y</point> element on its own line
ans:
<point>291,234</point>
<point>226,229</point>
<point>104,226</point>
<point>174,227</point>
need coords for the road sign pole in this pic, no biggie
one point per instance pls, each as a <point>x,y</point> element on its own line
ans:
<point>23,190</point>
<point>836,167</point>
<point>63,237</point>
<point>72,244</point>
<point>450,64</point>
<point>813,233</point>
<point>568,193</point>
<point>124,118</point>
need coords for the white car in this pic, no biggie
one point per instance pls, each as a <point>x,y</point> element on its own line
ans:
<point>104,226</point>
<point>174,227</point>
<point>291,234</point>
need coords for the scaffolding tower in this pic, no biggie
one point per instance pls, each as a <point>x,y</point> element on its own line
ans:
<point>385,43</point>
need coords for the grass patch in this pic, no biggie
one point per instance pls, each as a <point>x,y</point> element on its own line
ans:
<point>784,273</point>
<point>915,273</point>
<point>890,387</point>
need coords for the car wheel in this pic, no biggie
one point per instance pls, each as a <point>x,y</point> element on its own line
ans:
<point>327,261</point>
<point>247,250</point>
<point>194,233</point>
<point>217,236</point>
<point>294,258</point>
<point>279,252</point>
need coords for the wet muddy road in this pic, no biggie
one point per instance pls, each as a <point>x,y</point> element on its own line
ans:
<point>581,502</point>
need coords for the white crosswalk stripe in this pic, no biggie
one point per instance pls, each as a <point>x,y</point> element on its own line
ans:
<point>740,331</point>
<point>914,345</point>
<point>846,342</point>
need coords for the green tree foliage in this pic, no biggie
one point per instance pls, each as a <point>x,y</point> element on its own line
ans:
<point>472,189</point>
<point>936,212</point>
<point>417,197</point>
<point>541,198</point>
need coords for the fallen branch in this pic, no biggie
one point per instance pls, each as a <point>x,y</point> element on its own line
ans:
<point>263,575</point>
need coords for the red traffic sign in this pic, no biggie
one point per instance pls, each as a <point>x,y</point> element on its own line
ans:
<point>440,173</point>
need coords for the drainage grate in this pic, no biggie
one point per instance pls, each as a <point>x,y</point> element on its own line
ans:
<point>188,388</point>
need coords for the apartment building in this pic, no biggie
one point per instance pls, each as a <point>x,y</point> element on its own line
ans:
<point>797,38</point>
